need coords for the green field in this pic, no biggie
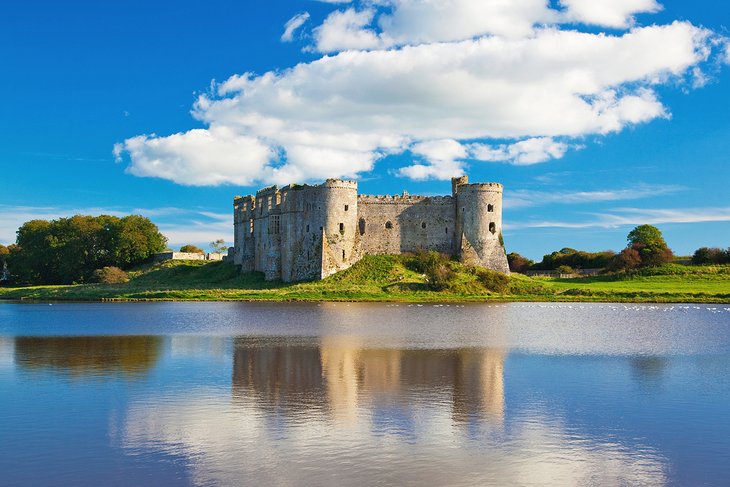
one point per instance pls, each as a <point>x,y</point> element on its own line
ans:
<point>392,278</point>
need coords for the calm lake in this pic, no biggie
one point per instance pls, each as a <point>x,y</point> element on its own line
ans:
<point>160,394</point>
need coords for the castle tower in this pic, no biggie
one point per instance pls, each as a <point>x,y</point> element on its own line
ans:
<point>479,224</point>
<point>340,247</point>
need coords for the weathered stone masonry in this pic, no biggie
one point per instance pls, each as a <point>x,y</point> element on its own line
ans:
<point>310,232</point>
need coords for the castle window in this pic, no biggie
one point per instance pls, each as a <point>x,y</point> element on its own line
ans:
<point>423,224</point>
<point>274,225</point>
<point>250,226</point>
<point>493,228</point>
<point>490,208</point>
<point>388,225</point>
<point>447,229</point>
<point>307,228</point>
<point>342,228</point>
<point>347,207</point>
<point>361,225</point>
<point>343,255</point>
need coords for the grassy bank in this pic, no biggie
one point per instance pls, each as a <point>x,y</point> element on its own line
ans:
<point>392,278</point>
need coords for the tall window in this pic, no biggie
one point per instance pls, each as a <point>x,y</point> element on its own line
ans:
<point>342,228</point>
<point>361,225</point>
<point>274,224</point>
<point>493,228</point>
<point>347,207</point>
<point>490,208</point>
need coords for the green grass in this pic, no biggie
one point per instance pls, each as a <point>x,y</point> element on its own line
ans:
<point>392,278</point>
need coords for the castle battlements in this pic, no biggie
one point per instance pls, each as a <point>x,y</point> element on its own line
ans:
<point>306,232</point>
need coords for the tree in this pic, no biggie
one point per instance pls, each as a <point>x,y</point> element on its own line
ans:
<point>705,255</point>
<point>626,260</point>
<point>70,249</point>
<point>648,241</point>
<point>219,246</point>
<point>518,263</point>
<point>4,252</point>
<point>191,249</point>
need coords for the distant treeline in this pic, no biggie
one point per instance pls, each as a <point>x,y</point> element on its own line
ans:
<point>646,247</point>
<point>69,250</point>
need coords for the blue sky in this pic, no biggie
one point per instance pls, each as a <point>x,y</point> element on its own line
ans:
<point>590,133</point>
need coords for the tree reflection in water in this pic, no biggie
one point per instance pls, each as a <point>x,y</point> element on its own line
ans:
<point>89,355</point>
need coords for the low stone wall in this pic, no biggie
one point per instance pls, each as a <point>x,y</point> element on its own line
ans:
<point>159,257</point>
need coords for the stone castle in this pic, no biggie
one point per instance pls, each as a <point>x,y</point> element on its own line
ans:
<point>303,232</point>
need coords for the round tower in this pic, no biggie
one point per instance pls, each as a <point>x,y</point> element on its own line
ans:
<point>479,225</point>
<point>339,213</point>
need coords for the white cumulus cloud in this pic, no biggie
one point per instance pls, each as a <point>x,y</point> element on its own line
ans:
<point>442,160</point>
<point>292,25</point>
<point>524,152</point>
<point>412,74</point>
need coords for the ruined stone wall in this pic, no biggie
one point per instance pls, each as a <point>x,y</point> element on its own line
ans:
<point>267,236</point>
<point>397,224</point>
<point>243,242</point>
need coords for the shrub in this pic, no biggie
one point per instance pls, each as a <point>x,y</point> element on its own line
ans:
<point>493,281</point>
<point>564,269</point>
<point>191,249</point>
<point>436,267</point>
<point>110,275</point>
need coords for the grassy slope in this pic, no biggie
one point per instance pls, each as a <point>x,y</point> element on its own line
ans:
<point>389,278</point>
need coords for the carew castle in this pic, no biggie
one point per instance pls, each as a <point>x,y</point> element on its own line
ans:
<point>303,232</point>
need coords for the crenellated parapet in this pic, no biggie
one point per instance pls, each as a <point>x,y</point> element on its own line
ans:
<point>403,199</point>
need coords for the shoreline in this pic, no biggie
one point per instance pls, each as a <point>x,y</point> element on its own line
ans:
<point>390,279</point>
<point>446,299</point>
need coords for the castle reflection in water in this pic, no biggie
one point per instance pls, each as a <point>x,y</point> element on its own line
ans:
<point>337,376</point>
<point>343,378</point>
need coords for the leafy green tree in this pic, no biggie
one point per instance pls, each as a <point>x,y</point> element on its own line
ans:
<point>191,249</point>
<point>649,242</point>
<point>219,246</point>
<point>70,249</point>
<point>4,252</point>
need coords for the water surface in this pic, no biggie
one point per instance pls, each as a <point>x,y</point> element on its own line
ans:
<point>378,394</point>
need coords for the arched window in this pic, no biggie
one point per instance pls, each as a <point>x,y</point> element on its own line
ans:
<point>493,228</point>
<point>361,226</point>
<point>490,208</point>
<point>388,225</point>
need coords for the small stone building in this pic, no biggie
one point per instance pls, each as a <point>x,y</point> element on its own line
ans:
<point>303,232</point>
